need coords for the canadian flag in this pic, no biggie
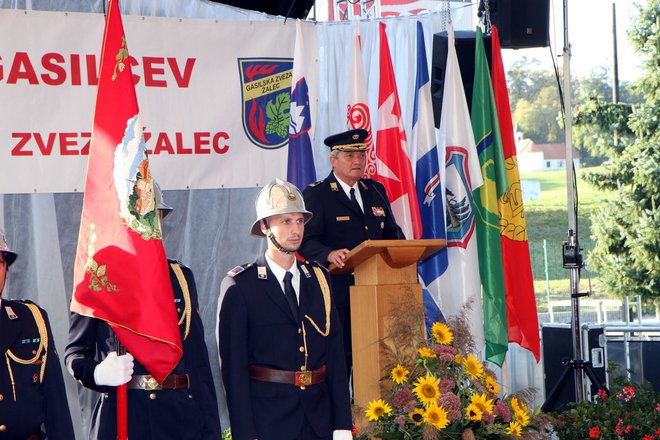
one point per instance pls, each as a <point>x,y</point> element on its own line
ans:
<point>357,112</point>
<point>393,168</point>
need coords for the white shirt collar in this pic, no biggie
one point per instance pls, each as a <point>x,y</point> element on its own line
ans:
<point>347,189</point>
<point>279,273</point>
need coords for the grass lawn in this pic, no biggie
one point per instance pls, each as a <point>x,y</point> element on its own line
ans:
<point>547,219</point>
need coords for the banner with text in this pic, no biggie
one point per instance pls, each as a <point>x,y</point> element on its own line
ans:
<point>214,97</point>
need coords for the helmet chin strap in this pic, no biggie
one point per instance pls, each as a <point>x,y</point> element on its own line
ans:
<point>273,240</point>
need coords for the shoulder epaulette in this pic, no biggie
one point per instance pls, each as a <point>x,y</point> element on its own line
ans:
<point>364,185</point>
<point>315,184</point>
<point>172,261</point>
<point>315,263</point>
<point>238,269</point>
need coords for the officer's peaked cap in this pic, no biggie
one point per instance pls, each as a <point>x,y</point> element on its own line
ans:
<point>351,140</point>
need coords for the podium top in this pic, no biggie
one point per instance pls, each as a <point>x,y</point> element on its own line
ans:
<point>397,253</point>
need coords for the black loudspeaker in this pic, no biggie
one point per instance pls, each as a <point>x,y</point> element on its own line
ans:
<point>521,23</point>
<point>465,42</point>
<point>285,8</point>
<point>557,347</point>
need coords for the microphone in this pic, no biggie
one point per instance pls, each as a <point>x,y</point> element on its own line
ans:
<point>399,233</point>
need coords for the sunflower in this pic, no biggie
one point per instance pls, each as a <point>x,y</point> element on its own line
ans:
<point>377,409</point>
<point>426,352</point>
<point>458,359</point>
<point>437,416</point>
<point>473,367</point>
<point>427,389</point>
<point>399,374</point>
<point>521,417</point>
<point>417,416</point>
<point>517,405</point>
<point>482,402</point>
<point>473,412</point>
<point>492,385</point>
<point>514,429</point>
<point>442,334</point>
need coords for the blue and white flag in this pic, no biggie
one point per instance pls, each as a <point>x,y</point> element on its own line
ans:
<point>300,169</point>
<point>427,180</point>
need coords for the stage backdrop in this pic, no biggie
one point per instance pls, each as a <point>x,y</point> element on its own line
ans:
<point>213,95</point>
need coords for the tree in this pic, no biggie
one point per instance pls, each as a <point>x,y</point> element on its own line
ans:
<point>627,228</point>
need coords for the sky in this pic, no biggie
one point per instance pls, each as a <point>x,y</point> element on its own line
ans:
<point>590,37</point>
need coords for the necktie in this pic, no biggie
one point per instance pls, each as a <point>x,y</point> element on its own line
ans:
<point>354,200</point>
<point>290,294</point>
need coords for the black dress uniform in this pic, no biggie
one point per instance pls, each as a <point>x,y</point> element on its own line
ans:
<point>32,393</point>
<point>258,334</point>
<point>337,223</point>
<point>185,408</point>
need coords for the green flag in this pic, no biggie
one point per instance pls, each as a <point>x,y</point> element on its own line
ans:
<point>491,158</point>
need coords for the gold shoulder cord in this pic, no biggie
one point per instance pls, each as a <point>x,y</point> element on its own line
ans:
<point>186,298</point>
<point>43,347</point>
<point>320,276</point>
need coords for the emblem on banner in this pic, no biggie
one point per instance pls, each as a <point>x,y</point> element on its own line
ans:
<point>460,206</point>
<point>266,92</point>
<point>134,184</point>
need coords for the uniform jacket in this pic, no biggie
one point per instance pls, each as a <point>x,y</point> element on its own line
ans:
<point>182,414</point>
<point>34,399</point>
<point>337,223</point>
<point>256,327</point>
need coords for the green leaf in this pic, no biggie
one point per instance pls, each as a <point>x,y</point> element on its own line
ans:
<point>101,270</point>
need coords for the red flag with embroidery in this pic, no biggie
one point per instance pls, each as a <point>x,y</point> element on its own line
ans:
<point>523,324</point>
<point>121,274</point>
<point>394,170</point>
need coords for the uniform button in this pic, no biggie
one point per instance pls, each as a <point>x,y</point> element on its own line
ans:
<point>189,396</point>
<point>366,228</point>
<point>301,349</point>
<point>3,428</point>
<point>34,351</point>
<point>303,368</point>
<point>1,397</point>
<point>152,396</point>
<point>178,309</point>
<point>299,331</point>
<point>302,388</point>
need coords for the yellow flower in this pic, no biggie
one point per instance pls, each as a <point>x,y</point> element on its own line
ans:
<point>514,429</point>
<point>426,352</point>
<point>442,334</point>
<point>458,359</point>
<point>377,409</point>
<point>482,402</point>
<point>437,416</point>
<point>517,405</point>
<point>399,374</point>
<point>417,416</point>
<point>473,367</point>
<point>521,417</point>
<point>473,412</point>
<point>492,385</point>
<point>427,389</point>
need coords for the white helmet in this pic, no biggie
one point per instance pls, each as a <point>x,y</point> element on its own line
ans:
<point>10,256</point>
<point>160,200</point>
<point>278,197</point>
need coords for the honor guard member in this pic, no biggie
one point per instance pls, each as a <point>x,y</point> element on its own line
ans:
<point>280,343</point>
<point>347,211</point>
<point>33,401</point>
<point>183,406</point>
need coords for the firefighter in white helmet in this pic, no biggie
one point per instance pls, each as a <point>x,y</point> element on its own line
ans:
<point>279,338</point>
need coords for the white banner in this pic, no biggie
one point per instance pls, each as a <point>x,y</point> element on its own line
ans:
<point>213,95</point>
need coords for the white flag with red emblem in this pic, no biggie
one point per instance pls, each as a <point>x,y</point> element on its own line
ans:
<point>393,166</point>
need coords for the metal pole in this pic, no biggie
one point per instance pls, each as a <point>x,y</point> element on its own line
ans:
<point>572,230</point>
<point>615,58</point>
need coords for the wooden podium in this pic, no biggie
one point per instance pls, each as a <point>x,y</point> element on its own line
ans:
<point>385,272</point>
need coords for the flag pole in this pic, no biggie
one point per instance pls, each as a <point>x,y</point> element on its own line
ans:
<point>122,400</point>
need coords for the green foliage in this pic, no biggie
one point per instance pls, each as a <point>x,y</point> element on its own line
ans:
<point>537,119</point>
<point>278,113</point>
<point>627,227</point>
<point>629,412</point>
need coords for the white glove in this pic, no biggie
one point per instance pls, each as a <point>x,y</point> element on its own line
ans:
<point>114,370</point>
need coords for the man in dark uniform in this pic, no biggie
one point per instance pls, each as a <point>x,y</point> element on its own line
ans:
<point>182,407</point>
<point>347,211</point>
<point>32,395</point>
<point>280,343</point>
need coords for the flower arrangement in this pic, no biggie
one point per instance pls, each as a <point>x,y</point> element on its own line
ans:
<point>629,411</point>
<point>440,390</point>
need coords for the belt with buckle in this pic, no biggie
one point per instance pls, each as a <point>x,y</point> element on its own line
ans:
<point>149,383</point>
<point>297,378</point>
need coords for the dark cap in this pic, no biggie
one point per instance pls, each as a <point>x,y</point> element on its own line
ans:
<point>351,140</point>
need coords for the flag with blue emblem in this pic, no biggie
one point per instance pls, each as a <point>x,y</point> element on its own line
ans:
<point>300,168</point>
<point>427,181</point>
